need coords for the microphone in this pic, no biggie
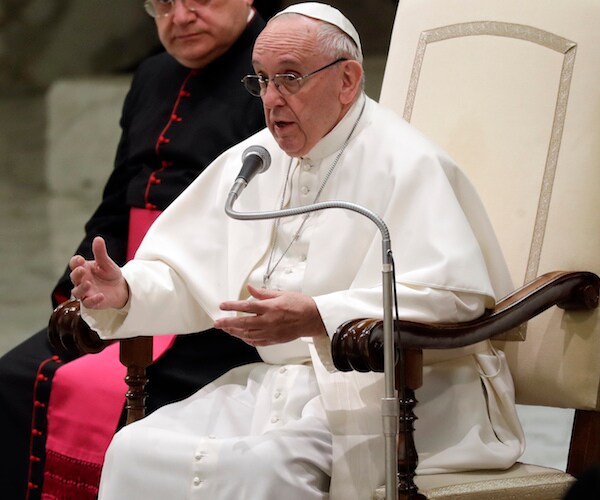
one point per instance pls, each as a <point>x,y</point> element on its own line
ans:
<point>255,160</point>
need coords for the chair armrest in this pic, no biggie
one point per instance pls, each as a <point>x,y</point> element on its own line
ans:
<point>68,332</point>
<point>358,344</point>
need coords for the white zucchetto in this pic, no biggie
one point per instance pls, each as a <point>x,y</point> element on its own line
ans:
<point>326,13</point>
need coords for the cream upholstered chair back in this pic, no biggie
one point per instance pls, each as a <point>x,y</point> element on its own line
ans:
<point>511,90</point>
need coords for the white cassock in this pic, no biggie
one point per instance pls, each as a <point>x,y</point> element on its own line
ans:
<point>290,422</point>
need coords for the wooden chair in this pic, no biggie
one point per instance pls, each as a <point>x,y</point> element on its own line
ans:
<point>510,90</point>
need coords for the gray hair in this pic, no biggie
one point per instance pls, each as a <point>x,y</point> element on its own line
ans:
<point>332,39</point>
<point>337,44</point>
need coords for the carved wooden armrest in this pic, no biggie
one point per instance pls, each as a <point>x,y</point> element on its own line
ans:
<point>358,344</point>
<point>68,332</point>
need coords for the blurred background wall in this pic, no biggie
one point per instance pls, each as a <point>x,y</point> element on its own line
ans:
<point>45,40</point>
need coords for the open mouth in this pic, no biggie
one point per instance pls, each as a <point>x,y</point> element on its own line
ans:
<point>282,125</point>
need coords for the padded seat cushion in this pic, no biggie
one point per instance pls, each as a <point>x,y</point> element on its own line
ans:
<point>520,482</point>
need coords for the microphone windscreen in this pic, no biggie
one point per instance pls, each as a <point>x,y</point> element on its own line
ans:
<point>255,160</point>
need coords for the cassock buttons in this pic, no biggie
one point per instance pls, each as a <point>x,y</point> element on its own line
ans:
<point>305,190</point>
<point>197,481</point>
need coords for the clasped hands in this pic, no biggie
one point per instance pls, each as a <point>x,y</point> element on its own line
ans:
<point>271,317</point>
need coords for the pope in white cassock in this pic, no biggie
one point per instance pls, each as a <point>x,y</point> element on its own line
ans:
<point>292,427</point>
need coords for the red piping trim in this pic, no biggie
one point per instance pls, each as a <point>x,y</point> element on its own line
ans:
<point>173,117</point>
<point>40,377</point>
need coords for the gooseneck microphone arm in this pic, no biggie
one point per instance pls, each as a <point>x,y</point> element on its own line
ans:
<point>389,404</point>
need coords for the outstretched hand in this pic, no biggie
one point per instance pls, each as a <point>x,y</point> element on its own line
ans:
<point>272,317</point>
<point>99,283</point>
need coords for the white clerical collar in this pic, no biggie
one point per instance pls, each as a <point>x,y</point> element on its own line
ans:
<point>335,139</point>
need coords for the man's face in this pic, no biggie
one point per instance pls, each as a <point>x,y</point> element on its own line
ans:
<point>289,45</point>
<point>197,38</point>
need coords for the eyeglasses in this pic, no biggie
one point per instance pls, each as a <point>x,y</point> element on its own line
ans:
<point>285,83</point>
<point>164,8</point>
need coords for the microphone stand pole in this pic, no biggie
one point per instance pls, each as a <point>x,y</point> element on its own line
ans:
<point>390,411</point>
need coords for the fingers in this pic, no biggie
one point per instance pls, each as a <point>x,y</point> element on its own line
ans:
<point>81,289</point>
<point>101,257</point>
<point>94,301</point>
<point>101,253</point>
<point>77,276</point>
<point>238,323</point>
<point>247,328</point>
<point>252,337</point>
<point>76,261</point>
<point>252,306</point>
<point>84,292</point>
<point>244,306</point>
<point>271,317</point>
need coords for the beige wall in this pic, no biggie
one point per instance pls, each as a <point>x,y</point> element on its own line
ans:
<point>43,40</point>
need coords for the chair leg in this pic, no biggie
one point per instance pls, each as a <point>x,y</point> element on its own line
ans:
<point>136,355</point>
<point>584,450</point>
<point>410,376</point>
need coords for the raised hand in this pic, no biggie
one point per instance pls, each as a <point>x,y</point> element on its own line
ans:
<point>99,283</point>
<point>273,317</point>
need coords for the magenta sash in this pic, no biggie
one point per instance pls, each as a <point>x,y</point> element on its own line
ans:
<point>86,402</point>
